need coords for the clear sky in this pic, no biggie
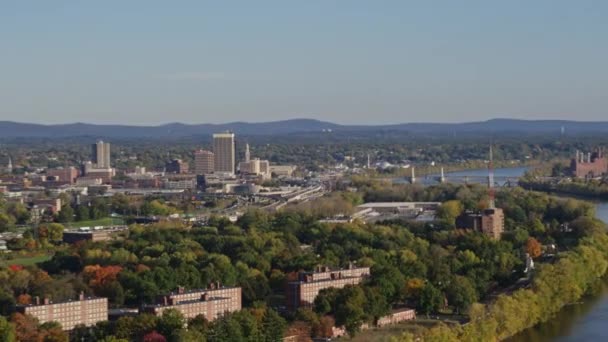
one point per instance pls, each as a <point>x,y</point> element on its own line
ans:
<point>363,62</point>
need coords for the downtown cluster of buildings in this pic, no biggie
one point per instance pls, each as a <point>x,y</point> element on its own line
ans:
<point>214,171</point>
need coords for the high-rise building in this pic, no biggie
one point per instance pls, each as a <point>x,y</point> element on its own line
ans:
<point>203,162</point>
<point>224,154</point>
<point>101,155</point>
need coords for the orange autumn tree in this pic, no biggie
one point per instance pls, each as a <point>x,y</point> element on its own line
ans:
<point>24,299</point>
<point>99,276</point>
<point>533,248</point>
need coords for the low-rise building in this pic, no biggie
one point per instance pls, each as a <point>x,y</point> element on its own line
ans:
<point>87,311</point>
<point>67,174</point>
<point>396,316</point>
<point>94,234</point>
<point>177,166</point>
<point>282,170</point>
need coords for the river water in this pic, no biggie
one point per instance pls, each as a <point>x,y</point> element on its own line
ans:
<point>583,322</point>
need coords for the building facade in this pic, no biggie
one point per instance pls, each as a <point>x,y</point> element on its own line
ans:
<point>490,221</point>
<point>493,222</point>
<point>224,152</point>
<point>204,162</point>
<point>67,175</point>
<point>101,155</point>
<point>211,303</point>
<point>302,293</point>
<point>590,165</point>
<point>177,166</point>
<point>86,310</point>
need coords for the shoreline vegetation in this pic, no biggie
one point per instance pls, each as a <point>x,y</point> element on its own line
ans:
<point>591,189</point>
<point>553,286</point>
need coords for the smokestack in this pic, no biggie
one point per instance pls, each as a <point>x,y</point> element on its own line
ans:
<point>413,175</point>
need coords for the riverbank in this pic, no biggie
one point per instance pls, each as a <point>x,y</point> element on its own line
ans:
<point>587,190</point>
<point>553,287</point>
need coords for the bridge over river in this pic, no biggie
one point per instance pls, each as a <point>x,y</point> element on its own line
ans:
<point>502,177</point>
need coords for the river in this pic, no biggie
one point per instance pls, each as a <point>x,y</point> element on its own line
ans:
<point>579,322</point>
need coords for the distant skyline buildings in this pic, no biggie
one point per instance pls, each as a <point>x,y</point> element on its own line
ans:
<point>204,162</point>
<point>101,155</point>
<point>224,152</point>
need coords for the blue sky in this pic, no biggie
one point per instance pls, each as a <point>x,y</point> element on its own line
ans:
<point>362,62</point>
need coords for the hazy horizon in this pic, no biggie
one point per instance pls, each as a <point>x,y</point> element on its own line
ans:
<point>356,62</point>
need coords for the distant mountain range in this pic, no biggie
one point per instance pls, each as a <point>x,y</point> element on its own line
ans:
<point>10,129</point>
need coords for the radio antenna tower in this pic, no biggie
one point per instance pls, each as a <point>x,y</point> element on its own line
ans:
<point>491,203</point>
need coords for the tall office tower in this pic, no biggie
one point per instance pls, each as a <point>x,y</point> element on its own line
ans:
<point>223,150</point>
<point>101,155</point>
<point>247,154</point>
<point>203,162</point>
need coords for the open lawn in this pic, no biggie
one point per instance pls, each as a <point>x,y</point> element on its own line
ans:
<point>27,261</point>
<point>106,221</point>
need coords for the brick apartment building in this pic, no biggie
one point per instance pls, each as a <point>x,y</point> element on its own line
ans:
<point>490,221</point>
<point>302,293</point>
<point>211,303</point>
<point>85,310</point>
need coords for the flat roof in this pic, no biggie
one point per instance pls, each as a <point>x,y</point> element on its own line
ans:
<point>395,204</point>
<point>183,302</point>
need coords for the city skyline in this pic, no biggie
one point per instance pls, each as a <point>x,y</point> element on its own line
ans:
<point>152,63</point>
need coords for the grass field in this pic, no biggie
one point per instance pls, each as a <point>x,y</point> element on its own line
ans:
<point>27,261</point>
<point>389,333</point>
<point>106,221</point>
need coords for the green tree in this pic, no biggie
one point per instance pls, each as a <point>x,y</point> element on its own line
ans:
<point>171,321</point>
<point>7,331</point>
<point>349,308</point>
<point>273,326</point>
<point>431,299</point>
<point>449,211</point>
<point>66,214</point>
<point>6,222</point>
<point>82,213</point>
<point>461,293</point>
